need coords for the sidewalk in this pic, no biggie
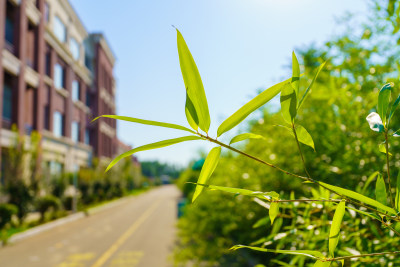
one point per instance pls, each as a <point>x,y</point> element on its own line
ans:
<point>64,220</point>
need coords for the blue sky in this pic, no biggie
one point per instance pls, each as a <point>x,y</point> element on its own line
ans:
<point>239,46</point>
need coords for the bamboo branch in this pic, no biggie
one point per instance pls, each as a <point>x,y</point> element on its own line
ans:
<point>206,137</point>
<point>388,167</point>
<point>361,256</point>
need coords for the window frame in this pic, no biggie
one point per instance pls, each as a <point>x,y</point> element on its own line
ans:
<point>58,128</point>
<point>58,24</point>
<point>56,80</point>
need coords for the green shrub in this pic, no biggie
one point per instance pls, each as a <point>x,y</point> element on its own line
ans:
<point>21,196</point>
<point>47,203</point>
<point>6,213</point>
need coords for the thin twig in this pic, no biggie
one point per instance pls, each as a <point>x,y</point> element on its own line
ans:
<point>308,200</point>
<point>361,256</point>
<point>301,153</point>
<point>388,168</point>
<point>391,228</point>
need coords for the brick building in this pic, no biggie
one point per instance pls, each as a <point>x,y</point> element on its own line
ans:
<point>54,78</point>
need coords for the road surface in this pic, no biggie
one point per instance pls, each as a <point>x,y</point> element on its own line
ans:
<point>137,233</point>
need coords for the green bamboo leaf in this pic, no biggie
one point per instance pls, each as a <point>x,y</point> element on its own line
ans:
<point>304,137</point>
<point>191,114</point>
<point>380,190</point>
<point>382,148</point>
<point>335,227</point>
<point>308,253</point>
<point>359,197</point>
<point>273,211</point>
<point>383,101</point>
<point>147,122</point>
<point>372,215</point>
<point>288,103</point>
<point>193,83</point>
<point>208,168</point>
<point>295,73</point>
<point>262,195</point>
<point>369,180</point>
<point>397,200</point>
<point>311,85</point>
<point>322,263</point>
<point>250,106</point>
<point>394,107</point>
<point>245,136</point>
<point>261,222</point>
<point>155,145</point>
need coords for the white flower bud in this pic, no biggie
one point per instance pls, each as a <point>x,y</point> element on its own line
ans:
<point>375,122</point>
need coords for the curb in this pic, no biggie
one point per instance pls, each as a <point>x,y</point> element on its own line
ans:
<point>70,218</point>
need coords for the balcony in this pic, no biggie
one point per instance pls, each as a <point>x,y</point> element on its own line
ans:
<point>32,12</point>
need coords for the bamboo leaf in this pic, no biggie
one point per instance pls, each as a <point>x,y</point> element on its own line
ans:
<point>372,215</point>
<point>261,222</point>
<point>394,107</point>
<point>288,103</point>
<point>155,145</point>
<point>308,253</point>
<point>311,85</point>
<point>208,168</point>
<point>335,227</point>
<point>380,190</point>
<point>147,122</point>
<point>250,107</point>
<point>295,82</point>
<point>273,211</point>
<point>193,83</point>
<point>304,137</point>
<point>359,197</point>
<point>191,114</point>
<point>262,195</point>
<point>397,200</point>
<point>369,180</point>
<point>322,263</point>
<point>245,136</point>
<point>382,148</point>
<point>383,101</point>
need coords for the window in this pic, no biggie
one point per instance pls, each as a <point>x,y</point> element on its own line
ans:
<point>75,131</point>
<point>58,124</point>
<point>46,117</point>
<point>56,168</point>
<point>88,100</point>
<point>87,138</point>
<point>46,12</point>
<point>89,62</point>
<point>7,102</point>
<point>60,31</point>
<point>48,61</point>
<point>75,48</point>
<point>59,76</point>
<point>9,30</point>
<point>76,90</point>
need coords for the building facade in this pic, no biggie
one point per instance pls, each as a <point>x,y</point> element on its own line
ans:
<point>55,77</point>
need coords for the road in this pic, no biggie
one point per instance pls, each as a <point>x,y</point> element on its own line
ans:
<point>139,232</point>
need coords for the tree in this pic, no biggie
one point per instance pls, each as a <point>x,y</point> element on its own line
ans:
<point>338,178</point>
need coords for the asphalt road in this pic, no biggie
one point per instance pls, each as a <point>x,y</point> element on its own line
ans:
<point>137,233</point>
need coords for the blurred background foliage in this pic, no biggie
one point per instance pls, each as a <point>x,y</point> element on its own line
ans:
<point>360,60</point>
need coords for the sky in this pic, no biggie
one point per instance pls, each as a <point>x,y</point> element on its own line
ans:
<point>240,46</point>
